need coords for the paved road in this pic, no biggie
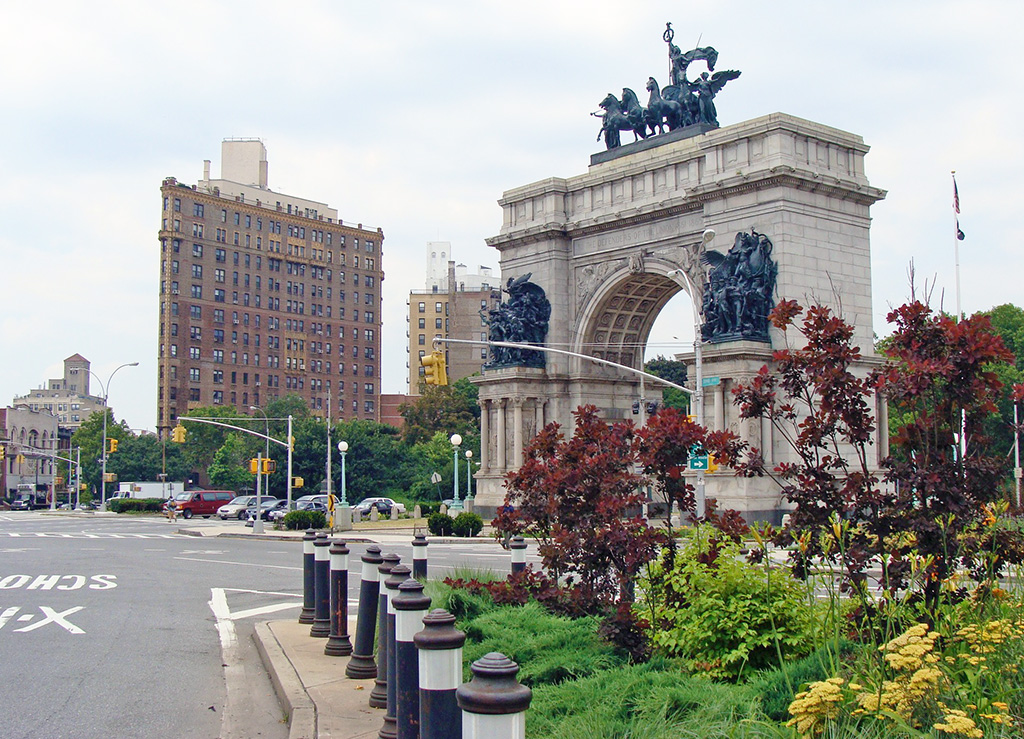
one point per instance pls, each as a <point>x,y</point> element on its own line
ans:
<point>120,626</point>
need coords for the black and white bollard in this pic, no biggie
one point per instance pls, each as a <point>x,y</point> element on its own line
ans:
<point>410,608</point>
<point>518,549</point>
<point>419,557</point>
<point>362,665</point>
<point>440,656</point>
<point>399,574</point>
<point>338,643</point>
<point>494,703</point>
<point>308,602</point>
<point>321,627</point>
<point>379,694</point>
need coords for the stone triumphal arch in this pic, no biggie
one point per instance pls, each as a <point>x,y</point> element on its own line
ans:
<point>606,248</point>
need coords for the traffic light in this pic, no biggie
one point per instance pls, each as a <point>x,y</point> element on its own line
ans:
<point>434,369</point>
<point>20,459</point>
<point>712,464</point>
<point>291,443</point>
<point>112,445</point>
<point>298,482</point>
<point>636,407</point>
<point>110,477</point>
<point>3,452</point>
<point>178,434</point>
<point>254,466</point>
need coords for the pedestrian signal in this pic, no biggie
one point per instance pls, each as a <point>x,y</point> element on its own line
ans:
<point>269,466</point>
<point>254,466</point>
<point>298,482</point>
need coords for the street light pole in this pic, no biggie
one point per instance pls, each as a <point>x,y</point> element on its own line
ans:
<point>698,387</point>
<point>469,470</point>
<point>343,448</point>
<point>257,524</point>
<point>106,406</point>
<point>456,442</point>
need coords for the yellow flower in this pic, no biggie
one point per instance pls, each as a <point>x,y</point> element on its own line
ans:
<point>956,722</point>
<point>813,707</point>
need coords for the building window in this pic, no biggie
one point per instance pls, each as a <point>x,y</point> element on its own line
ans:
<point>219,275</point>
<point>218,397</point>
<point>193,374</point>
<point>197,210</point>
<point>197,291</point>
<point>197,250</point>
<point>423,323</point>
<point>421,340</point>
<point>195,333</point>
<point>195,312</point>
<point>221,255</point>
<point>197,230</point>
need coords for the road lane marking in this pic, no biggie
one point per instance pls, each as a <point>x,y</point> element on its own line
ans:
<point>242,564</point>
<point>261,610</point>
<point>54,617</point>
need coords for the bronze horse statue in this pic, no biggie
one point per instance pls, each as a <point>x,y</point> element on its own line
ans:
<point>662,112</point>
<point>613,120</point>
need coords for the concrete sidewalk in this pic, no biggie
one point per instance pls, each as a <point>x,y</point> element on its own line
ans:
<point>320,701</point>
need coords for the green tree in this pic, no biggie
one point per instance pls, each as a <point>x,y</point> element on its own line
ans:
<point>203,440</point>
<point>230,467</point>
<point>448,408</point>
<point>673,371</point>
<point>378,463</point>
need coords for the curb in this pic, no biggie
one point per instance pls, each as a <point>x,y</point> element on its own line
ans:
<point>293,697</point>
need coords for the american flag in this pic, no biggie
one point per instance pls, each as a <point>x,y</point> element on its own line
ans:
<point>956,198</point>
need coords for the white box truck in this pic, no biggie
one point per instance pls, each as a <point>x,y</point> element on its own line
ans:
<point>161,490</point>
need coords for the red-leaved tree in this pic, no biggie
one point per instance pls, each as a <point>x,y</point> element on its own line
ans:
<point>581,499</point>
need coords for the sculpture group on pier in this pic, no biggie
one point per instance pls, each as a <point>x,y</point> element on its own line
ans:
<point>522,319</point>
<point>683,103</point>
<point>740,290</point>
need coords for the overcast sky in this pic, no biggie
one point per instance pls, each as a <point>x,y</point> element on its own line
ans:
<point>416,116</point>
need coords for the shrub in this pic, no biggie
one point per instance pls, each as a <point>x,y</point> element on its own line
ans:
<point>304,520</point>
<point>426,509</point>
<point>467,524</point>
<point>136,505</point>
<point>549,649</point>
<point>722,615</point>
<point>439,524</point>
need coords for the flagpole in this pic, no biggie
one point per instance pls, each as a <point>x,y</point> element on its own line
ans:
<point>956,258</point>
<point>956,241</point>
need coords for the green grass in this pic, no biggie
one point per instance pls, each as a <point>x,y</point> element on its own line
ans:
<point>549,649</point>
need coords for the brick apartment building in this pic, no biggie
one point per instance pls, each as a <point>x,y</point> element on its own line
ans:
<point>263,295</point>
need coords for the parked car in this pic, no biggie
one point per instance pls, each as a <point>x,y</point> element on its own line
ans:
<point>383,506</point>
<point>236,508</point>
<point>202,502</point>
<point>267,506</point>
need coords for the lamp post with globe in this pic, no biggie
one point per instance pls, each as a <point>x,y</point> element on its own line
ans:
<point>456,442</point>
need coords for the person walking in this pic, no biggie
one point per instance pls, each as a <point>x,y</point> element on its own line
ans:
<point>172,512</point>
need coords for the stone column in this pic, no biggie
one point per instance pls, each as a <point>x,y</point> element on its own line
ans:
<point>485,423</point>
<point>499,442</point>
<point>767,445</point>
<point>539,410</point>
<point>719,407</point>
<point>517,433</point>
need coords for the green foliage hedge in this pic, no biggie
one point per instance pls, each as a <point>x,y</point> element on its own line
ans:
<point>439,524</point>
<point>304,520</point>
<point>467,524</point>
<point>136,505</point>
<point>722,615</point>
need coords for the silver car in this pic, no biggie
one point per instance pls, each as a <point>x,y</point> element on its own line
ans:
<point>236,508</point>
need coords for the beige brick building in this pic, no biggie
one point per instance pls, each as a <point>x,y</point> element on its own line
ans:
<point>449,308</point>
<point>263,295</point>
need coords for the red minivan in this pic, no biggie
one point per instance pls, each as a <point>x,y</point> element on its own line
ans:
<point>202,502</point>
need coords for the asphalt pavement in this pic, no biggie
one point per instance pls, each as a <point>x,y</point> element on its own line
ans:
<point>319,700</point>
<point>249,581</point>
